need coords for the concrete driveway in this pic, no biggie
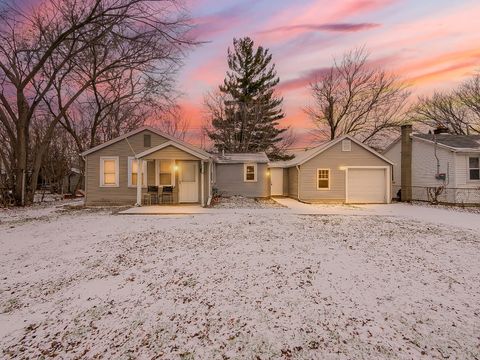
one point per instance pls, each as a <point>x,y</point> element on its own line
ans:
<point>443,216</point>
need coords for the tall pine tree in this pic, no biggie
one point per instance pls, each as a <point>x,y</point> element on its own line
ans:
<point>251,112</point>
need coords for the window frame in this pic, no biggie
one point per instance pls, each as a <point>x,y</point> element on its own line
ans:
<point>329,178</point>
<point>147,143</point>
<point>474,168</point>
<point>144,171</point>
<point>102,171</point>
<point>255,172</point>
<point>157,172</point>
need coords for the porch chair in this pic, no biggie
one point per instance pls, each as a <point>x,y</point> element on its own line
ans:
<point>151,197</point>
<point>167,194</point>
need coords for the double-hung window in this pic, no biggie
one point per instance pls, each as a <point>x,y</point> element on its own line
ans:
<point>109,171</point>
<point>249,172</point>
<point>133,172</point>
<point>323,179</point>
<point>474,167</point>
<point>166,172</point>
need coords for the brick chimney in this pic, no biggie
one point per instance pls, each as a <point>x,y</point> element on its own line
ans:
<point>406,163</point>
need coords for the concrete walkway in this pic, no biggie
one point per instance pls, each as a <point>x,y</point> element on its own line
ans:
<point>167,210</point>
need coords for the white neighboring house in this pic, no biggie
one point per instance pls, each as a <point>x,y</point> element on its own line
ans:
<point>442,161</point>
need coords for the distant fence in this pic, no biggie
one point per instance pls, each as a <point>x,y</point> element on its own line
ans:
<point>460,196</point>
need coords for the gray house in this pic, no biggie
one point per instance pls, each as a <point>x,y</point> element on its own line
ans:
<point>243,174</point>
<point>147,166</point>
<point>436,167</point>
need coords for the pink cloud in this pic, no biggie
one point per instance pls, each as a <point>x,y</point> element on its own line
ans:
<point>338,27</point>
<point>318,17</point>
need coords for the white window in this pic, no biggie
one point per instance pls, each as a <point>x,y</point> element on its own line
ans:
<point>133,172</point>
<point>323,179</point>
<point>109,171</point>
<point>166,172</point>
<point>249,172</point>
<point>346,145</point>
<point>474,168</point>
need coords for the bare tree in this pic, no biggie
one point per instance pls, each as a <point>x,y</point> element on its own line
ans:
<point>469,95</point>
<point>54,41</point>
<point>444,110</point>
<point>355,97</point>
<point>172,121</point>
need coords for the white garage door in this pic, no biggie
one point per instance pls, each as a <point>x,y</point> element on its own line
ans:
<point>367,186</point>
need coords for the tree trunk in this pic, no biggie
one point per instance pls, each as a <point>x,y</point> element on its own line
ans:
<point>21,156</point>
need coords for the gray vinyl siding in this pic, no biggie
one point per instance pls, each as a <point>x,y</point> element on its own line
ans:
<point>285,182</point>
<point>293,182</point>
<point>333,159</point>
<point>122,194</point>
<point>171,152</point>
<point>394,154</point>
<point>230,181</point>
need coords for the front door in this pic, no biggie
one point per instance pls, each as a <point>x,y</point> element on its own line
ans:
<point>276,178</point>
<point>188,181</point>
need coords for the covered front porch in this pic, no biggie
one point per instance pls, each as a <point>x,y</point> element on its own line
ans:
<point>172,174</point>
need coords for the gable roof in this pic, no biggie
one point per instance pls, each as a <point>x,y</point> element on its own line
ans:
<point>174,144</point>
<point>304,156</point>
<point>239,158</point>
<point>139,130</point>
<point>456,142</point>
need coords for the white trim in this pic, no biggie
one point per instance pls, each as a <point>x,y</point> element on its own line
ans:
<point>329,179</point>
<point>341,138</point>
<point>144,172</point>
<point>388,188</point>
<point>469,179</point>
<point>139,185</point>
<point>174,144</point>
<point>102,174</point>
<point>151,129</point>
<point>255,171</point>
<point>452,148</point>
<point>324,147</point>
<point>210,172</point>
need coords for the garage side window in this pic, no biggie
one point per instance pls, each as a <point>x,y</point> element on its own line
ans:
<point>250,172</point>
<point>323,179</point>
<point>109,171</point>
<point>474,167</point>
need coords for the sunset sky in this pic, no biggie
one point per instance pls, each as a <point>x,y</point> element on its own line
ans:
<point>433,44</point>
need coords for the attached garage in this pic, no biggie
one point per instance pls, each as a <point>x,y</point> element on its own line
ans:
<point>343,170</point>
<point>367,185</point>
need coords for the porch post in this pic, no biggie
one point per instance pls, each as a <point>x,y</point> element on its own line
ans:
<point>139,182</point>
<point>202,181</point>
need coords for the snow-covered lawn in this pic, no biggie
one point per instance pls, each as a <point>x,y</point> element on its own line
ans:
<point>259,284</point>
